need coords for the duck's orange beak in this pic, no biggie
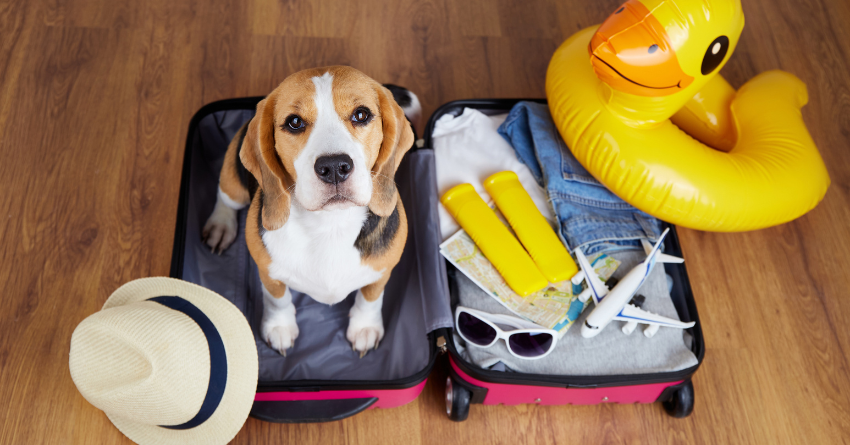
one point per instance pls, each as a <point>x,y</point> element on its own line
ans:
<point>631,52</point>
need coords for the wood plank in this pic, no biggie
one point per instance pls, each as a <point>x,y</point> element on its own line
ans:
<point>95,99</point>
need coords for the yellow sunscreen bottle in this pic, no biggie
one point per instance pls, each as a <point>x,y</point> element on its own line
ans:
<point>532,229</point>
<point>494,239</point>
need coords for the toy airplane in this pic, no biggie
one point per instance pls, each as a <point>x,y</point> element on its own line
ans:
<point>615,304</point>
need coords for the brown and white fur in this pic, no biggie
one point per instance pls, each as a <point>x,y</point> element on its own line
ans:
<point>325,217</point>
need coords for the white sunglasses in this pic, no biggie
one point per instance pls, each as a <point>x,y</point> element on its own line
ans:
<point>528,341</point>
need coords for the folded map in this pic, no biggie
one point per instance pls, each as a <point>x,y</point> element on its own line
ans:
<point>555,307</point>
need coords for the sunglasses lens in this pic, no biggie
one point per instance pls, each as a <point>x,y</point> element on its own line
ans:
<point>532,344</point>
<point>475,330</point>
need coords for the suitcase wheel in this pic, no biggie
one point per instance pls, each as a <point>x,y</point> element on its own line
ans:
<point>681,404</point>
<point>457,401</point>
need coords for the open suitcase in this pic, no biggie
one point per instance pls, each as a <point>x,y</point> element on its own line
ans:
<point>468,383</point>
<point>321,379</point>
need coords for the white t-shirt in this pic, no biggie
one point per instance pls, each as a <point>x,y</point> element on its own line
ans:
<point>468,149</point>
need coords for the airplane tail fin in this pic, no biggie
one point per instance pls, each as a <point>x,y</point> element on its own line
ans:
<point>664,258</point>
<point>660,257</point>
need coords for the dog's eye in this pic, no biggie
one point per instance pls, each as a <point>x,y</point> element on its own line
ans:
<point>294,124</point>
<point>361,116</point>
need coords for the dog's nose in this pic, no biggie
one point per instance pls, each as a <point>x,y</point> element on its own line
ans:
<point>334,169</point>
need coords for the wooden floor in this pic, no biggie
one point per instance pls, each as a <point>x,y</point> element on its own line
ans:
<point>95,100</point>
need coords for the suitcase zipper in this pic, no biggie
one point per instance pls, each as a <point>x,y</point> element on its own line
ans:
<point>441,344</point>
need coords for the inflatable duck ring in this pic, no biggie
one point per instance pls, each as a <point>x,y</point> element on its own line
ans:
<point>641,106</point>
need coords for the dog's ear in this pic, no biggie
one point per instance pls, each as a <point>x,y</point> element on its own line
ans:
<point>398,138</point>
<point>259,156</point>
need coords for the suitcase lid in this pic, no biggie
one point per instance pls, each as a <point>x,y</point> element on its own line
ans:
<point>322,357</point>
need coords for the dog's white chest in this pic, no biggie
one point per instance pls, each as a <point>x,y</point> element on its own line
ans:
<point>314,253</point>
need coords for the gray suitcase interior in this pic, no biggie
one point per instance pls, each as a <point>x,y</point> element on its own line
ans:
<point>416,300</point>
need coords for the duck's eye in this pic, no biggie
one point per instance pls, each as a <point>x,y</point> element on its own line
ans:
<point>361,116</point>
<point>715,54</point>
<point>653,49</point>
<point>294,124</point>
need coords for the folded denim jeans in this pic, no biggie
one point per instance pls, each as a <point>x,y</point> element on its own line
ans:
<point>589,215</point>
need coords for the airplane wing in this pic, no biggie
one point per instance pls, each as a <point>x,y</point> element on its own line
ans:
<point>661,257</point>
<point>632,313</point>
<point>597,287</point>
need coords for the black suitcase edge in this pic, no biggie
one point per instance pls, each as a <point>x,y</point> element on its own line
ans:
<point>310,411</point>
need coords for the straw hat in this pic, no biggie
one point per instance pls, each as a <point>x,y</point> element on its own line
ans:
<point>169,362</point>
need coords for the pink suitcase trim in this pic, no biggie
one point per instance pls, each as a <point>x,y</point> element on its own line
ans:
<point>387,398</point>
<point>500,393</point>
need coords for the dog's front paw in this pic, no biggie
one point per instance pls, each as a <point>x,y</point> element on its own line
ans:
<point>220,230</point>
<point>365,329</point>
<point>280,330</point>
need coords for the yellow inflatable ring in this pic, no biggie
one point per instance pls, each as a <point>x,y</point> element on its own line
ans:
<point>613,91</point>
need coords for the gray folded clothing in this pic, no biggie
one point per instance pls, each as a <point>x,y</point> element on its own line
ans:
<point>609,353</point>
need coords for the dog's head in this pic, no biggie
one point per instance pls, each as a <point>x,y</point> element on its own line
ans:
<point>325,139</point>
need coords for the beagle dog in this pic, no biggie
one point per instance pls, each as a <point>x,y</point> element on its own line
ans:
<point>316,166</point>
